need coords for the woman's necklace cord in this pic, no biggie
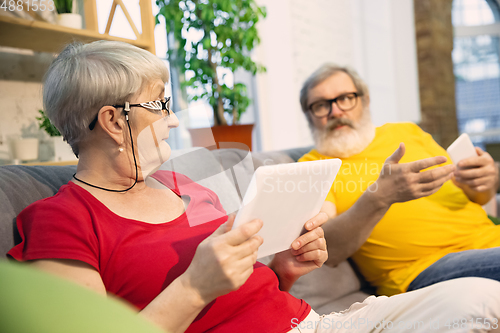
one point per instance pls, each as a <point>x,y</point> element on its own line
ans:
<point>135,162</point>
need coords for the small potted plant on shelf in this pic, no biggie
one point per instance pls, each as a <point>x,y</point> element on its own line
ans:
<point>24,149</point>
<point>228,33</point>
<point>62,150</point>
<point>66,15</point>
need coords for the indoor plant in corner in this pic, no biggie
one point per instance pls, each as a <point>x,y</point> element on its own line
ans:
<point>62,150</point>
<point>213,37</point>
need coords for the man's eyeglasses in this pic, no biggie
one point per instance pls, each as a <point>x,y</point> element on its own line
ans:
<point>345,102</point>
<point>159,107</point>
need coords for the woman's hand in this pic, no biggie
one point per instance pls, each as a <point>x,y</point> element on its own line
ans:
<point>223,261</point>
<point>308,252</point>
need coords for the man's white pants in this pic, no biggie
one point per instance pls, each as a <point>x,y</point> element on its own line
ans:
<point>461,305</point>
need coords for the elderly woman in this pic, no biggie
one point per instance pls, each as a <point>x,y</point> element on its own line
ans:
<point>109,231</point>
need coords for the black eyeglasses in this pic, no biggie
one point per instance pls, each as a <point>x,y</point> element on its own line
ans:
<point>159,107</point>
<point>345,102</point>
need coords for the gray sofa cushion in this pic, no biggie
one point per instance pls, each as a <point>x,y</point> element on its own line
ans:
<point>319,287</point>
<point>328,289</point>
<point>21,186</point>
<point>239,166</point>
<point>207,169</point>
<point>227,172</point>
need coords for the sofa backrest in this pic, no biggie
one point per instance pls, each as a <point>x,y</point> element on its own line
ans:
<point>22,185</point>
<point>19,187</point>
<point>225,171</point>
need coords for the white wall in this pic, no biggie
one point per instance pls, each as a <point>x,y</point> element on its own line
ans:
<point>386,57</point>
<point>21,73</point>
<point>376,37</point>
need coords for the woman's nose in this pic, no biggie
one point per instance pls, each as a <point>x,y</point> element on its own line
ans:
<point>172,119</point>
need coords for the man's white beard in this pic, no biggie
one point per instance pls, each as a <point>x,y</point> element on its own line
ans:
<point>345,142</point>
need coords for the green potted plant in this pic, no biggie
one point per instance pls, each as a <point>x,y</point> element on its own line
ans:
<point>66,17</point>
<point>45,124</point>
<point>228,33</point>
<point>62,150</point>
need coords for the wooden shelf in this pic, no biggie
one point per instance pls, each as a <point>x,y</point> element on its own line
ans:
<point>47,37</point>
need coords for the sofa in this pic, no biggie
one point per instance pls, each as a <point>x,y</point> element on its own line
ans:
<point>225,171</point>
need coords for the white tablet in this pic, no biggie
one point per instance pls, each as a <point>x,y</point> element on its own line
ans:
<point>285,197</point>
<point>461,148</point>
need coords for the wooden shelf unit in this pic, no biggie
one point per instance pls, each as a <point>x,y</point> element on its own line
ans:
<point>47,37</point>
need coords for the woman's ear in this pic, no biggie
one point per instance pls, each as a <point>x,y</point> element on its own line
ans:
<point>112,122</point>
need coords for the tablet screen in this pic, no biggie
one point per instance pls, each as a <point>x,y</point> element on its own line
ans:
<point>285,197</point>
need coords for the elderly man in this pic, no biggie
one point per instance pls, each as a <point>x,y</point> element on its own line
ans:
<point>406,215</point>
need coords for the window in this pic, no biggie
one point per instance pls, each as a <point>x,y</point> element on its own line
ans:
<point>476,59</point>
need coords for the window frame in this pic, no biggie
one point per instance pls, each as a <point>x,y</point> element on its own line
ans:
<point>478,30</point>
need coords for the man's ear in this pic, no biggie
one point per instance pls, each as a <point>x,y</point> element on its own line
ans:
<point>112,122</point>
<point>367,100</point>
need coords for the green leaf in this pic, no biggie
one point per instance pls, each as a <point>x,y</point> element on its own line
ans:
<point>206,43</point>
<point>45,124</point>
<point>232,23</point>
<point>63,6</point>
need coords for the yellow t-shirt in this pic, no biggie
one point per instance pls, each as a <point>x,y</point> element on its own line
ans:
<point>412,235</point>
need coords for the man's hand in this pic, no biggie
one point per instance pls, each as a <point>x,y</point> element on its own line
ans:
<point>477,174</point>
<point>405,182</point>
<point>308,252</point>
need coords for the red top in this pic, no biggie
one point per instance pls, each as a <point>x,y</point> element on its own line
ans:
<point>137,260</point>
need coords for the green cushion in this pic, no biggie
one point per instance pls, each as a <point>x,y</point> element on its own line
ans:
<point>33,301</point>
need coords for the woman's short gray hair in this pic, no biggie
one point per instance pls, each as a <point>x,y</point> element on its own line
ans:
<point>86,77</point>
<point>323,73</point>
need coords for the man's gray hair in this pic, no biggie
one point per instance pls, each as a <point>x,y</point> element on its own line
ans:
<point>323,73</point>
<point>86,77</point>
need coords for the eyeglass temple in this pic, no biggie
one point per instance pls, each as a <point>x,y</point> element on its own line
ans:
<point>126,108</point>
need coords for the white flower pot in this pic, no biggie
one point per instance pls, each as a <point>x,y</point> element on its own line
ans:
<point>25,149</point>
<point>62,150</point>
<point>70,20</point>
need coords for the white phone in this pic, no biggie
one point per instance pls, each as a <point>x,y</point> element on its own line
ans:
<point>461,148</point>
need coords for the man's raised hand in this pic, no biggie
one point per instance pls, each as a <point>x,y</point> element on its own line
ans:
<point>404,182</point>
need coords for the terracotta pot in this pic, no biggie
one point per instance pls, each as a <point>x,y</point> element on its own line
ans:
<point>234,136</point>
